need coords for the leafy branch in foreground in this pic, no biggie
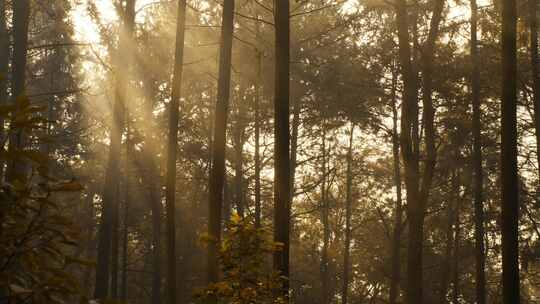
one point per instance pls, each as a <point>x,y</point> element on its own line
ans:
<point>37,237</point>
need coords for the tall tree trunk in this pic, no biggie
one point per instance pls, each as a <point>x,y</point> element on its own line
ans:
<point>155,201</point>
<point>294,142</point>
<point>115,245</point>
<point>4,66</point>
<point>480,259</point>
<point>457,235</point>
<point>535,70</point>
<point>227,205</point>
<point>417,195</point>
<point>258,97</point>
<point>446,266</point>
<point>410,158</point>
<point>170,196</point>
<point>325,220</point>
<point>21,15</point>
<point>113,165</point>
<point>509,173</point>
<point>150,176</point>
<point>348,216</point>
<point>127,202</point>
<point>217,173</point>
<point>398,213</point>
<point>238,162</point>
<point>282,191</point>
<point>90,239</point>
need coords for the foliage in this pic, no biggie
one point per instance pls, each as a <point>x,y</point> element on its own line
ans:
<point>244,256</point>
<point>37,237</point>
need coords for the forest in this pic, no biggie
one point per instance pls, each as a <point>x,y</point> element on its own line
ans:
<point>269,151</point>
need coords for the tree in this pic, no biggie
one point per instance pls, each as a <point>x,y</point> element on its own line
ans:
<point>217,171</point>
<point>535,70</point>
<point>4,66</point>
<point>17,141</point>
<point>396,234</point>
<point>110,198</point>
<point>477,162</point>
<point>509,171</point>
<point>282,194</point>
<point>417,194</point>
<point>170,197</point>
<point>257,127</point>
<point>348,217</point>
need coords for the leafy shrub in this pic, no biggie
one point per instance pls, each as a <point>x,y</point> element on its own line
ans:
<point>246,277</point>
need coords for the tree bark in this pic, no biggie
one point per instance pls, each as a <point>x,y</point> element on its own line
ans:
<point>217,173</point>
<point>155,201</point>
<point>398,215</point>
<point>535,70</point>
<point>509,173</point>
<point>170,195</point>
<point>294,142</point>
<point>115,246</point>
<point>410,158</point>
<point>325,220</point>
<point>21,15</point>
<point>90,239</point>
<point>4,66</point>
<point>258,95</point>
<point>238,161</point>
<point>348,217</point>
<point>113,166</point>
<point>127,202</point>
<point>446,266</point>
<point>457,236</point>
<point>282,191</point>
<point>417,194</point>
<point>480,259</point>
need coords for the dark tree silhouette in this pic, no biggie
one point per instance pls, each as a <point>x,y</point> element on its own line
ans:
<point>509,173</point>
<point>282,194</point>
<point>217,173</point>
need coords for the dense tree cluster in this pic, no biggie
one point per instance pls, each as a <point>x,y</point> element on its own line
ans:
<point>257,151</point>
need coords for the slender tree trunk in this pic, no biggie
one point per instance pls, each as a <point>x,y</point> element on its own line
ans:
<point>457,235</point>
<point>294,142</point>
<point>410,158</point>
<point>227,202</point>
<point>113,166</point>
<point>125,234</point>
<point>446,267</point>
<point>417,195</point>
<point>115,246</point>
<point>325,220</point>
<point>480,277</point>
<point>535,69</point>
<point>282,191</point>
<point>4,66</point>
<point>509,173</point>
<point>170,196</point>
<point>348,216</point>
<point>127,202</point>
<point>90,239</point>
<point>398,213</point>
<point>258,96</point>
<point>156,206</point>
<point>238,162</point>
<point>217,173</point>
<point>4,70</point>
<point>150,175</point>
<point>21,15</point>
